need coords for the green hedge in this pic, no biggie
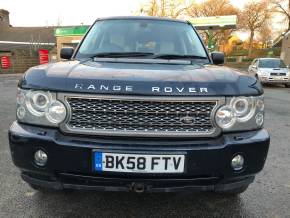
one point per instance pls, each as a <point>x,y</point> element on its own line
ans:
<point>231,59</point>
<point>240,52</point>
<point>257,52</point>
<point>247,59</point>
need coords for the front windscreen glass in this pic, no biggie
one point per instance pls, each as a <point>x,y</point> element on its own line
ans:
<point>142,36</point>
<point>271,63</point>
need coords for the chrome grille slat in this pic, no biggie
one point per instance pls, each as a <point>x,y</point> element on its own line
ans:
<point>146,117</point>
<point>202,119</point>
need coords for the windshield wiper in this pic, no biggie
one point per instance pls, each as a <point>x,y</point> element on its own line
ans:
<point>176,56</point>
<point>121,54</point>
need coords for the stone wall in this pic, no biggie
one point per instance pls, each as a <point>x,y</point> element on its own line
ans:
<point>21,60</point>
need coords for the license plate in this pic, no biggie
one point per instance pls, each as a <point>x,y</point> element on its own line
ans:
<point>279,78</point>
<point>138,163</point>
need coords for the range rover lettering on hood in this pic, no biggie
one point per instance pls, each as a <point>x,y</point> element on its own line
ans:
<point>128,88</point>
<point>140,79</point>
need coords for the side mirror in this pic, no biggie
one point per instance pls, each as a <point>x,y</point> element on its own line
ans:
<point>218,58</point>
<point>66,53</point>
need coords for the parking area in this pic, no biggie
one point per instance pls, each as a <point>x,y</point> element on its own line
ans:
<point>268,196</point>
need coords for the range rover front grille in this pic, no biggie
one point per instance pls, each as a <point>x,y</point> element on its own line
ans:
<point>140,117</point>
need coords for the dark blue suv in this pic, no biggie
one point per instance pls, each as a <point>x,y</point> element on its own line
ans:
<point>140,105</point>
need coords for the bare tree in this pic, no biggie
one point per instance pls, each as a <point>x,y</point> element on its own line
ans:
<point>59,21</point>
<point>253,17</point>
<point>282,7</point>
<point>265,34</point>
<point>34,44</point>
<point>212,8</point>
<point>164,8</point>
<point>151,9</point>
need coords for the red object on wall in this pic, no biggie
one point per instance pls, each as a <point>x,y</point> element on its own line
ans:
<point>43,56</point>
<point>5,62</point>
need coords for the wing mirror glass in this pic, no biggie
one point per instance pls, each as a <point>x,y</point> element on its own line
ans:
<point>66,53</point>
<point>218,58</point>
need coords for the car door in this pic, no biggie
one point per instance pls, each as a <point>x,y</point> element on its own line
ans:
<point>251,66</point>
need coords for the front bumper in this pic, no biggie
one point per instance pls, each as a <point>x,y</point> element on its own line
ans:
<point>274,80</point>
<point>207,167</point>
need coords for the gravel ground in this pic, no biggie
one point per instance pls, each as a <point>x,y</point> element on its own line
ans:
<point>268,196</point>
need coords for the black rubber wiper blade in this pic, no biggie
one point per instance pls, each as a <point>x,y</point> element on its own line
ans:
<point>121,54</point>
<point>176,56</point>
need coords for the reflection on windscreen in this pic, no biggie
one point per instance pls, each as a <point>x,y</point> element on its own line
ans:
<point>271,63</point>
<point>158,37</point>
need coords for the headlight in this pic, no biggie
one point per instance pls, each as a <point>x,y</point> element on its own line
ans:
<point>39,107</point>
<point>37,102</point>
<point>243,108</point>
<point>241,113</point>
<point>225,117</point>
<point>56,112</point>
<point>263,73</point>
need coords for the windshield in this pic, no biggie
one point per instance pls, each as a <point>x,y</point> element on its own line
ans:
<point>271,63</point>
<point>141,36</point>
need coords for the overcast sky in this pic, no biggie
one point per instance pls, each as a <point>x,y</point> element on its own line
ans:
<point>70,12</point>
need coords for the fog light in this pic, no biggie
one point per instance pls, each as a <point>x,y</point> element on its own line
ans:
<point>40,158</point>
<point>238,162</point>
<point>260,104</point>
<point>21,112</point>
<point>260,119</point>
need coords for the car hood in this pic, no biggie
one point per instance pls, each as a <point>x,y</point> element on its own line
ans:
<point>274,70</point>
<point>140,79</point>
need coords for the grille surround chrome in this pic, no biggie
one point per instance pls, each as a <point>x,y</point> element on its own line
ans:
<point>65,127</point>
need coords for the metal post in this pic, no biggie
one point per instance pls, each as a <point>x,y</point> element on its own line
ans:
<point>211,42</point>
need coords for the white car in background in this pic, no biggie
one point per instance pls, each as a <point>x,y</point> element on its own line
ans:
<point>270,71</point>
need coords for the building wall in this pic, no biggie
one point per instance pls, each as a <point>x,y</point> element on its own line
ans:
<point>285,50</point>
<point>4,19</point>
<point>24,55</point>
<point>20,60</point>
